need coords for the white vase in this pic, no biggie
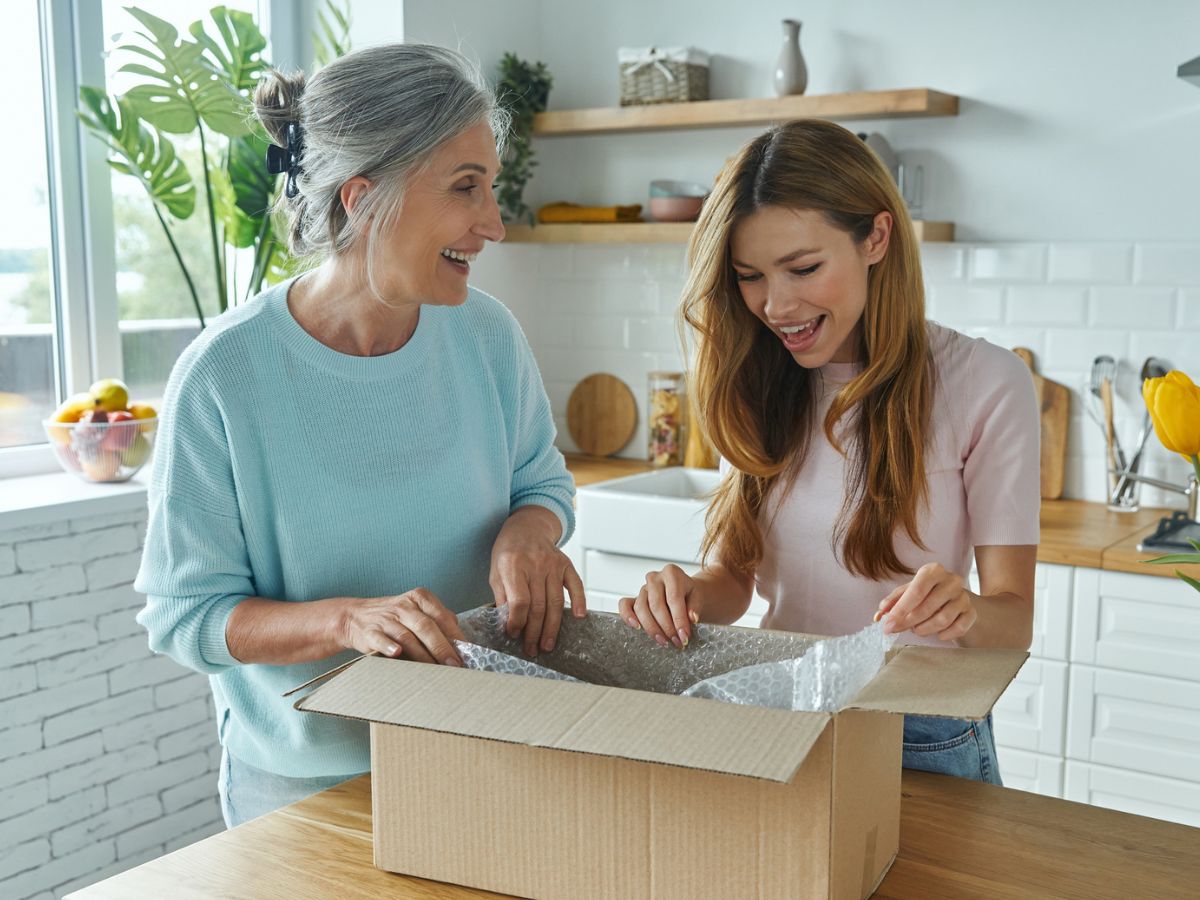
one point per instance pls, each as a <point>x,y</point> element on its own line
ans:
<point>791,74</point>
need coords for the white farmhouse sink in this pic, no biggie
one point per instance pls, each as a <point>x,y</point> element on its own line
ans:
<point>657,514</point>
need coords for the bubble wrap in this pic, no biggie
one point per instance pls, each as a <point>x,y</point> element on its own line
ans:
<point>756,668</point>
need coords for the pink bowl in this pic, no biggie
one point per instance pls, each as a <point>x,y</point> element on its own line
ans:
<point>675,209</point>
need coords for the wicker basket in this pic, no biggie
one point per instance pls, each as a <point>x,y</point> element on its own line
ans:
<point>662,75</point>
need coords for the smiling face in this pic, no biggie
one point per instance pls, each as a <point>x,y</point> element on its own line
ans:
<point>449,214</point>
<point>807,280</point>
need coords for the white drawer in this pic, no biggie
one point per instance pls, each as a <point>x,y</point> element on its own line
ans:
<point>1139,623</point>
<point>617,573</point>
<point>1139,722</point>
<point>1032,772</point>
<point>599,601</point>
<point>1052,586</point>
<point>1133,792</point>
<point>1031,714</point>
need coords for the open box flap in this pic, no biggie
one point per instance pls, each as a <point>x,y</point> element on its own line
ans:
<point>660,728</point>
<point>935,681</point>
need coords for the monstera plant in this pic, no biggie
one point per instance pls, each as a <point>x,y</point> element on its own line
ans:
<point>202,86</point>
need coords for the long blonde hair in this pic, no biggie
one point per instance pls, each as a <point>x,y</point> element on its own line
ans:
<point>743,377</point>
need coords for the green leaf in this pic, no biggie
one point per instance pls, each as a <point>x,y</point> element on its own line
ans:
<point>331,38</point>
<point>240,229</point>
<point>185,88</point>
<point>1175,559</point>
<point>238,53</point>
<point>1192,581</point>
<point>139,151</point>
<point>253,185</point>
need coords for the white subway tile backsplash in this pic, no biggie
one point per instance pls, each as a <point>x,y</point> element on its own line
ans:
<point>1091,263</point>
<point>1030,305</point>
<point>599,332</point>
<point>1075,348</point>
<point>555,261</point>
<point>1167,263</point>
<point>651,334</point>
<point>1127,307</point>
<point>943,262</point>
<point>1004,336</point>
<point>1181,349</point>
<point>961,302</point>
<point>1189,317</point>
<point>1008,262</point>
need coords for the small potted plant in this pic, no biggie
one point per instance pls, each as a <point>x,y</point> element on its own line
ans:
<point>523,89</point>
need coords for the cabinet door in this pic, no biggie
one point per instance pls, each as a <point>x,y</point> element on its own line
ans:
<point>601,601</point>
<point>1032,772</point>
<point>1139,722</point>
<point>1133,792</point>
<point>1051,609</point>
<point>1138,623</point>
<point>1031,714</point>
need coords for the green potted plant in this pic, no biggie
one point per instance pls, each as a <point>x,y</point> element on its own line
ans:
<point>523,89</point>
<point>203,86</point>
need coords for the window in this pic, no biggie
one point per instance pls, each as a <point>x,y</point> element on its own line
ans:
<point>89,287</point>
<point>27,364</point>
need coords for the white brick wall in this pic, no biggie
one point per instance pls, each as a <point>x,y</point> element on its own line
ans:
<point>589,308</point>
<point>108,754</point>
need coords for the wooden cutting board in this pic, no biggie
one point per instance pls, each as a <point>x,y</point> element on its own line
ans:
<point>601,414</point>
<point>1054,401</point>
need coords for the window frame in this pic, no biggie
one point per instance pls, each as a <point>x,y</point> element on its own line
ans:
<point>85,311</point>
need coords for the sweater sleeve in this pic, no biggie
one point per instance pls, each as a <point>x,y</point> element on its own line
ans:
<point>1001,473</point>
<point>195,566</point>
<point>540,475</point>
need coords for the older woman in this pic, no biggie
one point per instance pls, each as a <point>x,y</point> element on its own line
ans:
<point>363,450</point>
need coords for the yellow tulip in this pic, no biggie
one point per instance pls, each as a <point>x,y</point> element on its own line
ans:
<point>1174,405</point>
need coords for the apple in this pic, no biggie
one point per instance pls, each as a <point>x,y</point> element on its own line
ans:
<point>103,467</point>
<point>116,436</point>
<point>110,394</point>
<point>137,453</point>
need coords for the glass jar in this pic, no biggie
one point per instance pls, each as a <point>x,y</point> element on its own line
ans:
<point>664,418</point>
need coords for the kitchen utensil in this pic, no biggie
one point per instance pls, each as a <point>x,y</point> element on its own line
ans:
<point>1054,401</point>
<point>1106,398</point>
<point>1153,367</point>
<point>601,414</point>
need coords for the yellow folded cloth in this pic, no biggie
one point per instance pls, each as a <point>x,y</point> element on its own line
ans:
<point>573,212</point>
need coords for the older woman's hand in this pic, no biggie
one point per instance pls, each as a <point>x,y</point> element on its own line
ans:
<point>414,624</point>
<point>529,574</point>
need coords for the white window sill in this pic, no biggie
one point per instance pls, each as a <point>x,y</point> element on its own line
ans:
<point>36,499</point>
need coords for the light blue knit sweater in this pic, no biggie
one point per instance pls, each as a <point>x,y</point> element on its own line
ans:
<point>287,470</point>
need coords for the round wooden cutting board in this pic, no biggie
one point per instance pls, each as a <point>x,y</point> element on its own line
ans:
<point>601,414</point>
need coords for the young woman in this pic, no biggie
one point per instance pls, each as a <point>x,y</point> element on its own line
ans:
<point>867,452</point>
<point>361,451</point>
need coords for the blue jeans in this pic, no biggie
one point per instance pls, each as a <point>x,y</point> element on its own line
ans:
<point>957,747</point>
<point>247,793</point>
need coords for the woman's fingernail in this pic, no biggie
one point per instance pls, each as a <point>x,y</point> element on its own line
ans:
<point>662,641</point>
<point>683,637</point>
<point>694,616</point>
<point>548,644</point>
<point>636,624</point>
<point>391,649</point>
<point>877,617</point>
<point>452,661</point>
<point>677,642</point>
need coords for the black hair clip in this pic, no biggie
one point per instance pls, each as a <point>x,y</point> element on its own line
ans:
<point>287,159</point>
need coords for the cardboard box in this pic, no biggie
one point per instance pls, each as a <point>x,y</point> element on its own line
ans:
<point>552,789</point>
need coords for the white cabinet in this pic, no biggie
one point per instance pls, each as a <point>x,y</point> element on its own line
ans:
<point>1140,722</point>
<point>1133,792</point>
<point>1033,772</point>
<point>1137,623</point>
<point>1052,588</point>
<point>1031,713</point>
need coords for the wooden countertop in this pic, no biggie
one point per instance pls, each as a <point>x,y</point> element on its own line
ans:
<point>958,839</point>
<point>1074,532</point>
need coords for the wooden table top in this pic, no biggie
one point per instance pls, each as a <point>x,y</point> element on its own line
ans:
<point>958,840</point>
<point>1074,532</point>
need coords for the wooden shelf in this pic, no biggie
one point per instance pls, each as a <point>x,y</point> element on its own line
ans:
<point>909,103</point>
<point>657,233</point>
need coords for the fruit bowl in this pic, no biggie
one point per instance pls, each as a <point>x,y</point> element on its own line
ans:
<point>102,451</point>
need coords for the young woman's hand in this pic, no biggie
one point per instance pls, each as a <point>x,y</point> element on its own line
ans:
<point>935,602</point>
<point>530,574</point>
<point>415,625</point>
<point>666,608</point>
